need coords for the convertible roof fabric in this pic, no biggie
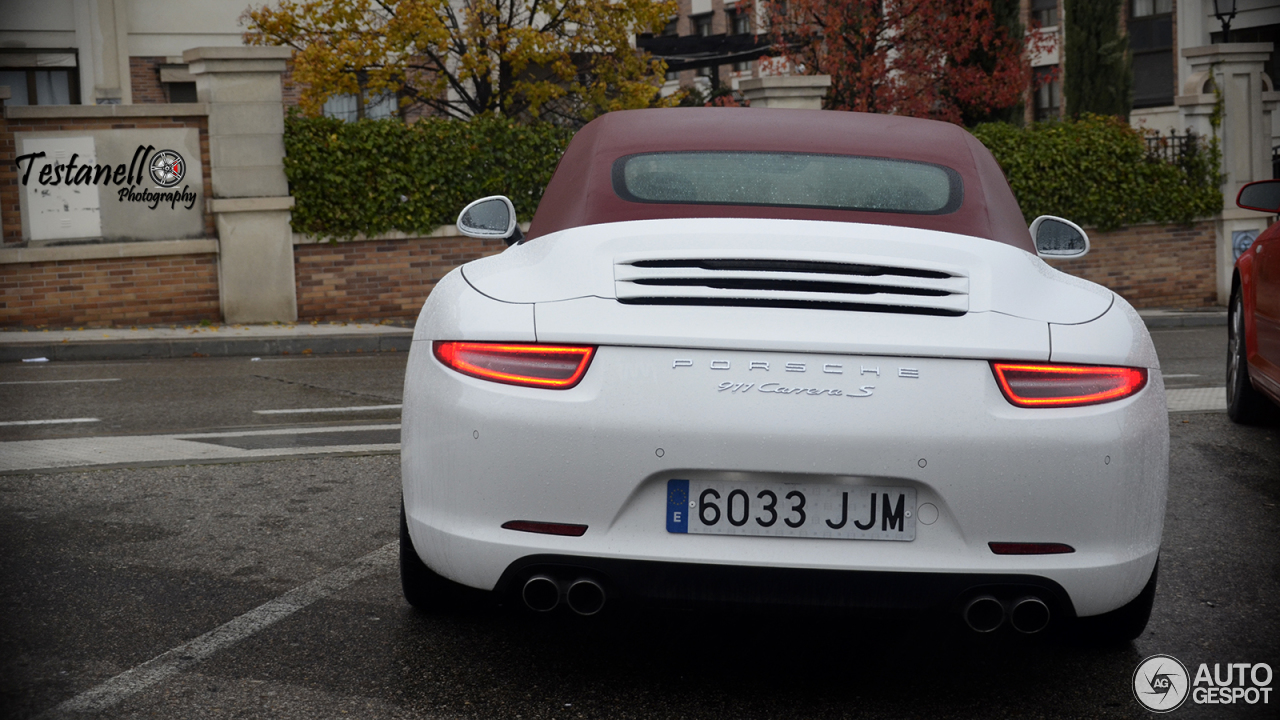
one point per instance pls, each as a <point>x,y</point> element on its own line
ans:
<point>581,191</point>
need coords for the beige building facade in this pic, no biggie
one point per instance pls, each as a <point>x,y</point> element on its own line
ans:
<point>108,52</point>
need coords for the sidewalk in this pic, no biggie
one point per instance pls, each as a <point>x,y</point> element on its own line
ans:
<point>319,338</point>
<point>203,341</point>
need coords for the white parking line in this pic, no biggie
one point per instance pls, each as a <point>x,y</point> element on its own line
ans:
<point>172,662</point>
<point>52,382</point>
<point>21,455</point>
<point>354,408</point>
<point>48,422</point>
<point>1213,399</point>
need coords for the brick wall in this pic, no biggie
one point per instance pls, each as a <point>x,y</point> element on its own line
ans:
<point>290,89</point>
<point>144,75</point>
<point>377,278</point>
<point>1153,265</point>
<point>110,292</point>
<point>9,176</point>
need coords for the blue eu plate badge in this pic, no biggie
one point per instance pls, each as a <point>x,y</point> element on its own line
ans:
<point>678,506</point>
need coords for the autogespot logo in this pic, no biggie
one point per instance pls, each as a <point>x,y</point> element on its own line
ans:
<point>1160,683</point>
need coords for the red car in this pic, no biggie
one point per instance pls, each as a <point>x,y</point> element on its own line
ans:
<point>1253,347</point>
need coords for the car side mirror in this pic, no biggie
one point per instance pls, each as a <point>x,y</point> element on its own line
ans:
<point>1058,238</point>
<point>489,218</point>
<point>1263,196</point>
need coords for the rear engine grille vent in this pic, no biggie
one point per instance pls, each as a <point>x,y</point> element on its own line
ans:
<point>792,284</point>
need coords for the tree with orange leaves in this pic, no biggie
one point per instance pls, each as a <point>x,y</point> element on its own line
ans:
<point>942,59</point>
<point>560,60</point>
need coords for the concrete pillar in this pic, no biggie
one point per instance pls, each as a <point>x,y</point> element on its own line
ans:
<point>251,199</point>
<point>102,34</point>
<point>1234,73</point>
<point>800,92</point>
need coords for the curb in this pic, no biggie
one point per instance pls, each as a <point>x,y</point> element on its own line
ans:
<point>207,347</point>
<point>1186,320</point>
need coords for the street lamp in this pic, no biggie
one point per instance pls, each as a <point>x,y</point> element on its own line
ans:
<point>1225,11</point>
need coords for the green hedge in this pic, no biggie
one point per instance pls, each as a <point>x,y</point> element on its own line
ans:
<point>1095,171</point>
<point>373,176</point>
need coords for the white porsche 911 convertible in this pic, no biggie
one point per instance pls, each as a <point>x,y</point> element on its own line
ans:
<point>783,357</point>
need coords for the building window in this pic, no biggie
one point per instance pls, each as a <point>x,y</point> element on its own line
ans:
<point>347,107</point>
<point>702,25</point>
<point>1147,8</point>
<point>1151,40</point>
<point>740,21</point>
<point>182,92</point>
<point>179,84</point>
<point>1048,105</point>
<point>1045,12</point>
<point>40,78</point>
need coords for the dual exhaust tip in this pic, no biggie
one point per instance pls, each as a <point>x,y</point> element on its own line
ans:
<point>983,614</point>
<point>543,593</point>
<point>986,613</point>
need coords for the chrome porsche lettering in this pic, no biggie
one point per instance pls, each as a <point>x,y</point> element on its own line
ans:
<point>733,387</point>
<point>799,367</point>
<point>864,391</point>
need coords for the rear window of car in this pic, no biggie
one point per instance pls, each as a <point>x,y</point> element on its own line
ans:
<point>836,182</point>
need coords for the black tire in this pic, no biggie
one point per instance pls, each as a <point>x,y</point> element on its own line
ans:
<point>1245,405</point>
<point>422,587</point>
<point>1124,623</point>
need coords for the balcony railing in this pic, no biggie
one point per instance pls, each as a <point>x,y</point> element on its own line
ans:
<point>1173,148</point>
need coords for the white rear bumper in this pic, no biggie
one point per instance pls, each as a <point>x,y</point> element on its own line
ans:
<point>478,454</point>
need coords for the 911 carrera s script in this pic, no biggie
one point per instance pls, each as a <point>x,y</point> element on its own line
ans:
<point>780,389</point>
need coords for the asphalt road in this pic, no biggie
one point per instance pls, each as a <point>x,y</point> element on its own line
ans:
<point>1192,356</point>
<point>112,580</point>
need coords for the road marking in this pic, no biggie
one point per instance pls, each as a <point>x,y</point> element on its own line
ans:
<point>1213,399</point>
<point>176,448</point>
<point>50,382</point>
<point>354,408</point>
<point>48,422</point>
<point>170,663</point>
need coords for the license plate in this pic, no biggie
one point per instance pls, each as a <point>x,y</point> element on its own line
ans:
<point>805,510</point>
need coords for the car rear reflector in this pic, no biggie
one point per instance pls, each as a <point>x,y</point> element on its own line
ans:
<point>545,528</point>
<point>1028,385</point>
<point>548,366</point>
<point>1005,548</point>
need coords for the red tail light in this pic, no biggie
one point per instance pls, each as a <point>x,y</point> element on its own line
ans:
<point>548,366</point>
<point>1027,385</point>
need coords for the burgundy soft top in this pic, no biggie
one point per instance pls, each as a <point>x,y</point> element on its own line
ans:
<point>581,191</point>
